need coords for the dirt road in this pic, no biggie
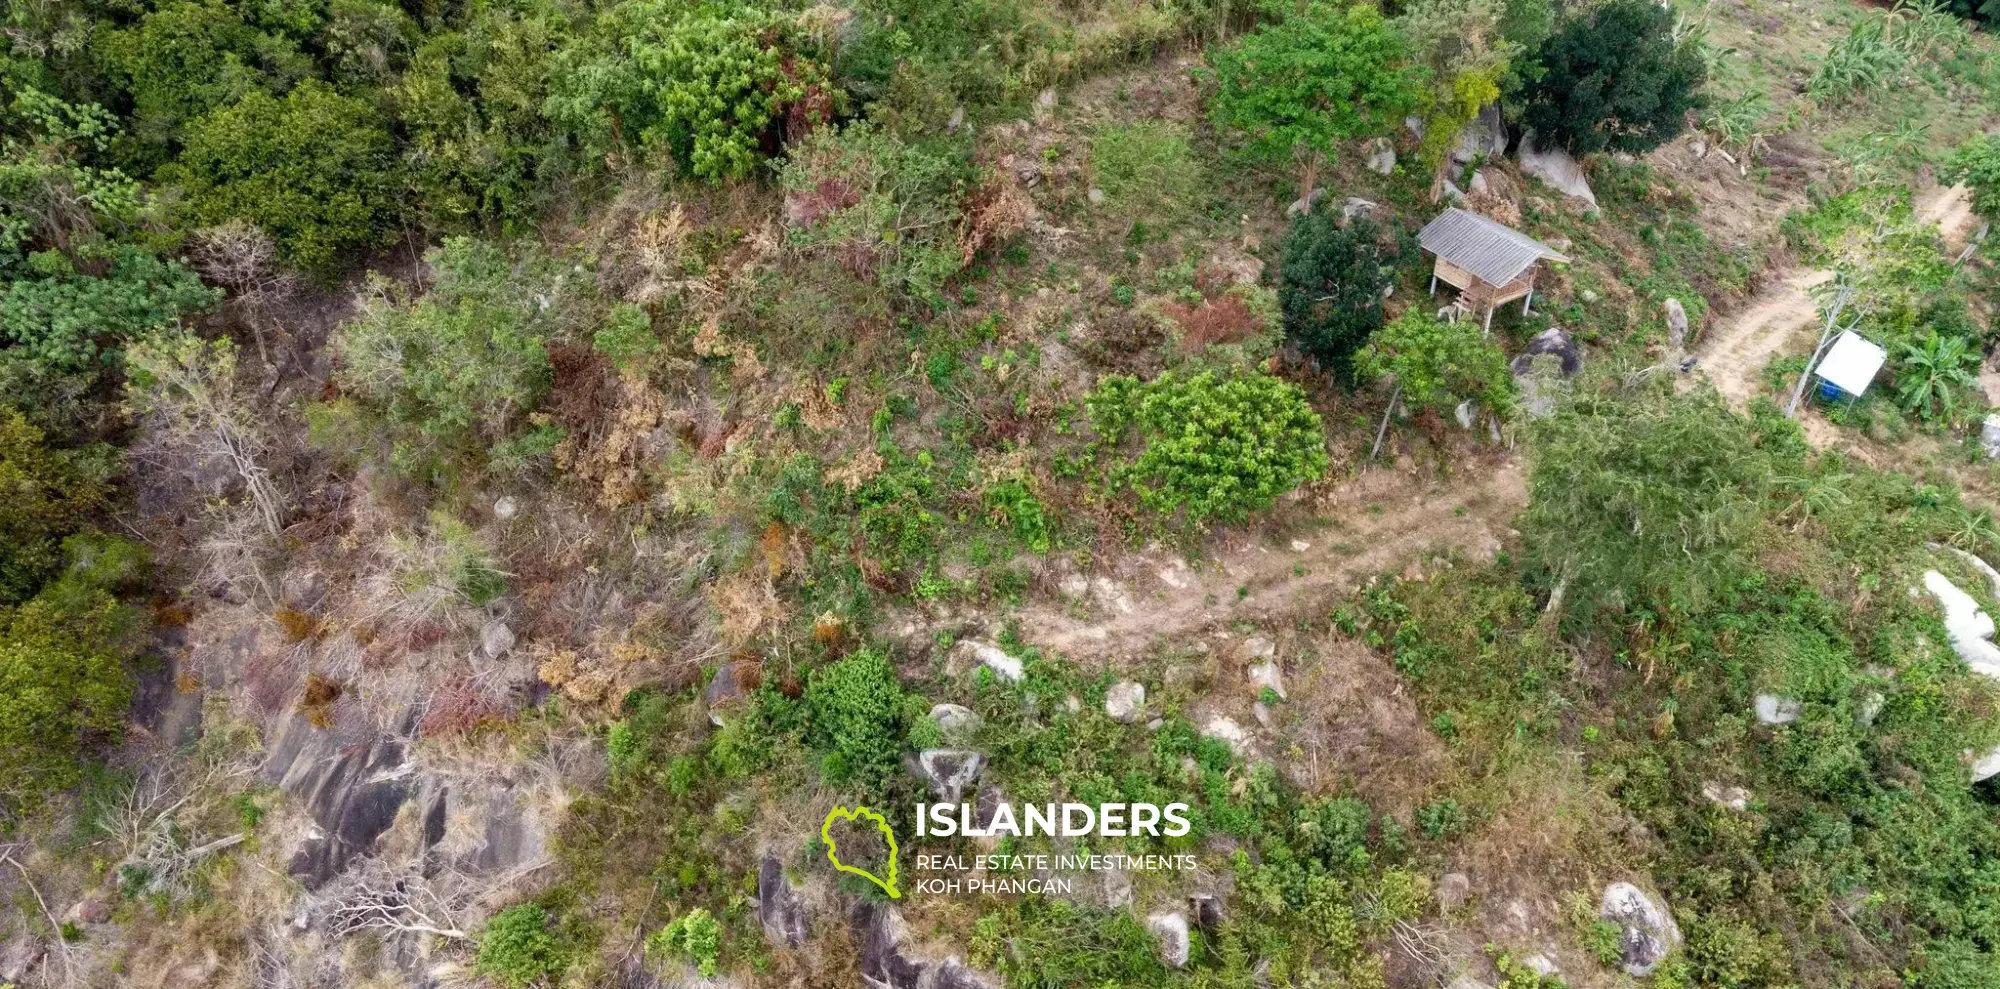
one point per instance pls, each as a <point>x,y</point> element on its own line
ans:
<point>1387,522</point>
<point>1734,353</point>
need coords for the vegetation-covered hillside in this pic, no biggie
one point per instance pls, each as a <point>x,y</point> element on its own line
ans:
<point>489,488</point>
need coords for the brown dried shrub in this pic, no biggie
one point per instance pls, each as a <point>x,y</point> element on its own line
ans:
<point>457,707</point>
<point>1224,319</point>
<point>297,625</point>
<point>317,702</point>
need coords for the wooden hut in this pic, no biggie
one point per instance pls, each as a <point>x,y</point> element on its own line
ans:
<point>1490,263</point>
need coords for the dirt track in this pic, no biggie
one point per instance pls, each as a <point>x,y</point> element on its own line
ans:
<point>1389,522</point>
<point>1734,353</point>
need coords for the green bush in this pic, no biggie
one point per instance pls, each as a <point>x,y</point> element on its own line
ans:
<point>1330,286</point>
<point>470,358</point>
<point>879,205</point>
<point>1324,75</point>
<point>70,321</point>
<point>1211,448</point>
<point>1614,76</point>
<point>693,937</point>
<point>705,86</point>
<point>316,170</point>
<point>1438,364</point>
<point>64,689</point>
<point>49,494</point>
<point>854,709</point>
<point>519,949</point>
<point>1976,165</point>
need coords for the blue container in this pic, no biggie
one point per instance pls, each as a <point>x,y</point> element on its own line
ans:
<point>1829,392</point>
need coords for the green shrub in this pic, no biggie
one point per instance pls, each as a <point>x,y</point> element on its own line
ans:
<point>1976,165</point>
<point>63,689</point>
<point>1331,283</point>
<point>1614,77</point>
<point>1211,448</point>
<point>49,494</point>
<point>702,85</point>
<point>470,358</point>
<point>519,949</point>
<point>69,321</point>
<point>316,170</point>
<point>879,205</point>
<point>1302,87</point>
<point>51,191</point>
<point>1438,364</point>
<point>693,937</point>
<point>854,708</point>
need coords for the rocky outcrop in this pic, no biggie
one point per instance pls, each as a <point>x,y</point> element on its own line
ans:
<point>969,652</point>
<point>957,722</point>
<point>949,771</point>
<point>887,964</point>
<point>1556,167</point>
<point>351,790</point>
<point>1647,932</point>
<point>780,910</point>
<point>1125,702</point>
<point>732,682</point>
<point>1171,930</point>
<point>1776,709</point>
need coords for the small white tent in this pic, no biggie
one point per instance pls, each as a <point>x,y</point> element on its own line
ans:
<point>1851,363</point>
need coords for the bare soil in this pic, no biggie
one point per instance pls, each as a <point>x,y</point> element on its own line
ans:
<point>1385,519</point>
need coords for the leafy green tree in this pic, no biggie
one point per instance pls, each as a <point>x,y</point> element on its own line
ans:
<point>467,359</point>
<point>1436,364</point>
<point>1935,375</point>
<point>519,949</point>
<point>316,170</point>
<point>69,320</point>
<point>48,495</point>
<point>183,59</point>
<point>63,690</point>
<point>1648,503</point>
<point>1976,165</point>
<point>1613,76</point>
<point>1330,284</point>
<point>1466,55</point>
<point>1324,75</point>
<point>704,86</point>
<point>855,711</point>
<point>694,937</point>
<point>1213,448</point>
<point>50,194</point>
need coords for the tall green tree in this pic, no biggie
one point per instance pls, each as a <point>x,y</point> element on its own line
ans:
<point>1649,502</point>
<point>1613,77</point>
<point>1322,76</point>
<point>1331,283</point>
<point>1437,364</point>
<point>315,169</point>
<point>1462,47</point>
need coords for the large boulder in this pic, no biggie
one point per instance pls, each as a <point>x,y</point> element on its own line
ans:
<point>1776,709</point>
<point>732,682</point>
<point>1556,167</point>
<point>19,956</point>
<point>1485,135</point>
<point>1647,932</point>
<point>972,651</point>
<point>1677,323</point>
<point>352,791</point>
<point>1381,156</point>
<point>1171,930</point>
<point>949,771</point>
<point>1989,436</point>
<point>779,908</point>
<point>1553,342</point>
<point>956,721</point>
<point>881,932</point>
<point>1125,702</point>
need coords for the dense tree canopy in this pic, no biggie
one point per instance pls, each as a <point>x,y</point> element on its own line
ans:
<point>1613,77</point>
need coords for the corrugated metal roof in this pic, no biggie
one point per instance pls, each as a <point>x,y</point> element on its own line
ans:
<point>1495,252</point>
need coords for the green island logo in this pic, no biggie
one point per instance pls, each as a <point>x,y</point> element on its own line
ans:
<point>833,847</point>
